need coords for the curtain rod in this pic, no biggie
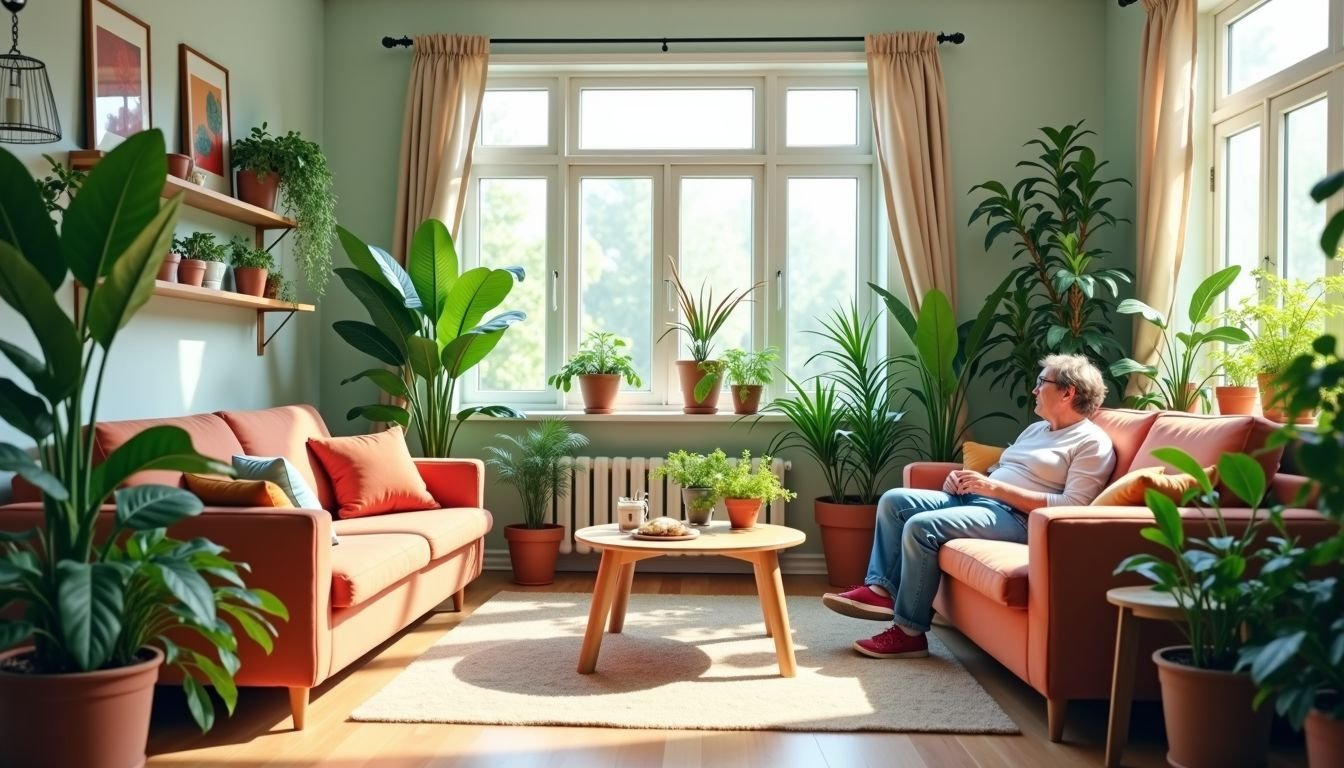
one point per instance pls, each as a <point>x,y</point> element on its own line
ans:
<point>956,38</point>
<point>1123,3</point>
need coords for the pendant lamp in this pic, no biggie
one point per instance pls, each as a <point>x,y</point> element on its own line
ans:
<point>27,108</point>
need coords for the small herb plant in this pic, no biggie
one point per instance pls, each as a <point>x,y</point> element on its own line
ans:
<point>286,291</point>
<point>599,353</point>
<point>201,245</point>
<point>1239,366</point>
<point>694,470</point>
<point>61,181</point>
<point>1290,315</point>
<point>747,368</point>
<point>534,466</point>
<point>243,254</point>
<point>740,482</point>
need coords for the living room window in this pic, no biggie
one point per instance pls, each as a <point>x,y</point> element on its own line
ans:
<point>593,180</point>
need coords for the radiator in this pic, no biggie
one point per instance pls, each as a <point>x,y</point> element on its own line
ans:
<point>598,481</point>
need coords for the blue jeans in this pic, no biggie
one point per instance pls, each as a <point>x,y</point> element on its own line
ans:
<point>911,526</point>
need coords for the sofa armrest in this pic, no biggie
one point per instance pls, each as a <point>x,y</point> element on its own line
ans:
<point>1283,489</point>
<point>454,482</point>
<point>927,475</point>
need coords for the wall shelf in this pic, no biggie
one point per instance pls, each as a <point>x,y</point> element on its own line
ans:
<point>262,306</point>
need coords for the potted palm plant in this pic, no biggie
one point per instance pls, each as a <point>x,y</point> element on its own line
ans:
<point>701,318</point>
<point>748,372</point>
<point>696,475</point>
<point>744,491</point>
<point>251,266</point>
<point>599,365</point>
<point>535,465</point>
<point>98,598</point>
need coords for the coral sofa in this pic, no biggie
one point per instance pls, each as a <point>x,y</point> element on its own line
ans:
<point>1040,608</point>
<point>343,600</point>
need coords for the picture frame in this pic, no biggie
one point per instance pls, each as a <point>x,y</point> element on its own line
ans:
<point>117,98</point>
<point>206,130</point>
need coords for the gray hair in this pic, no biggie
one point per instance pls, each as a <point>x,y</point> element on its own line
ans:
<point>1078,372</point>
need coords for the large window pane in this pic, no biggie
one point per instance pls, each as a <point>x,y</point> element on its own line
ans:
<point>515,118</point>
<point>666,118</point>
<point>716,246</point>
<point>616,263</point>
<point>1304,163</point>
<point>513,231</point>
<point>1241,217</point>
<point>1274,36</point>
<point>822,253</point>
<point>821,118</point>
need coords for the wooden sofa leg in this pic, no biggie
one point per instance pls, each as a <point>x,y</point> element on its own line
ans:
<point>1055,709</point>
<point>298,706</point>
<point>460,600</point>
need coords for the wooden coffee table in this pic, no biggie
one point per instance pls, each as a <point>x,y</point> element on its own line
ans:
<point>759,546</point>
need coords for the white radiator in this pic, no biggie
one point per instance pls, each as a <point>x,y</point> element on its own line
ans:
<point>598,481</point>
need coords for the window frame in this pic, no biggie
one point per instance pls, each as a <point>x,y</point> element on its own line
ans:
<point>1237,101</point>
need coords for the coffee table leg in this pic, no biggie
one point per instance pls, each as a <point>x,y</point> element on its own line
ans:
<point>627,578</point>
<point>608,576</point>
<point>1122,687</point>
<point>772,603</point>
<point>762,587</point>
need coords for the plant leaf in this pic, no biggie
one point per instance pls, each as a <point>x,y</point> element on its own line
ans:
<point>385,380</point>
<point>159,447</point>
<point>23,288</point>
<point>433,266</point>
<point>90,597</point>
<point>24,411</point>
<point>24,223</point>
<point>1243,475</point>
<point>368,339</point>
<point>198,701</point>
<point>1185,463</point>
<point>1208,292</point>
<point>385,309</point>
<point>144,507</point>
<point>379,265</point>
<point>130,275</point>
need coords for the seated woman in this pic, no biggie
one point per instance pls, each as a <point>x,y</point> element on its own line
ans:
<point>1064,459</point>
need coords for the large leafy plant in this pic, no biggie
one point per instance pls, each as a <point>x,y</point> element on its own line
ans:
<point>91,589</point>
<point>428,323</point>
<point>534,465</point>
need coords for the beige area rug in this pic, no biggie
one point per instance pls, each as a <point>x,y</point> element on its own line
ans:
<point>682,662</point>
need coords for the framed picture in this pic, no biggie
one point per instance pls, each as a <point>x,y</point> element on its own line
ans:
<point>116,85</point>
<point>206,135</point>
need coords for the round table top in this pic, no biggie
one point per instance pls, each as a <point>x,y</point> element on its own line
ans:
<point>1146,602</point>
<point>715,537</point>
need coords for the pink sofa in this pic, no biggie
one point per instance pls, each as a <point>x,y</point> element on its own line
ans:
<point>343,600</point>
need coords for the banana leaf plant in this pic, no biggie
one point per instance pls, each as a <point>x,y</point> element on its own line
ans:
<point>92,587</point>
<point>945,360</point>
<point>429,325</point>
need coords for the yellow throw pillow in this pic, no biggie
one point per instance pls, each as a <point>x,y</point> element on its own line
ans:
<point>223,492</point>
<point>1128,491</point>
<point>979,457</point>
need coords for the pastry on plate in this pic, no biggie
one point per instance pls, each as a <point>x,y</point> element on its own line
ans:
<point>664,526</point>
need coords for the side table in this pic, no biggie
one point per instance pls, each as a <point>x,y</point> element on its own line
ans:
<point>1135,603</point>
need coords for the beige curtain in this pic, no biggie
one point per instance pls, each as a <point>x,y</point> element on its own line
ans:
<point>443,110</point>
<point>1166,154</point>
<point>910,124</point>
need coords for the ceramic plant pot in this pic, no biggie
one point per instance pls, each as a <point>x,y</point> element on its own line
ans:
<point>214,275</point>
<point>1208,712</point>
<point>1325,740</point>
<point>168,269</point>
<point>698,512</point>
<point>258,191</point>
<point>742,513</point>
<point>533,552</point>
<point>689,373</point>
<point>250,280</point>
<point>846,539</point>
<point>1237,400</point>
<point>746,398</point>
<point>191,272</point>
<point>180,165</point>
<point>599,391</point>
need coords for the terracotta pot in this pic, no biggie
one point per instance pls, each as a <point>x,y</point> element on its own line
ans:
<point>697,513</point>
<point>1276,411</point>
<point>1208,713</point>
<point>599,391</point>
<point>258,192</point>
<point>846,539</point>
<point>250,280</point>
<point>272,289</point>
<point>191,272</point>
<point>168,269</point>
<point>746,398</point>
<point>688,371</point>
<point>742,513</point>
<point>180,165</point>
<point>1325,740</point>
<point>533,552</point>
<point>90,719</point>
<point>1237,400</point>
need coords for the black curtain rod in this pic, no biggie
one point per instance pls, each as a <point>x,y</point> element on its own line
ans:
<point>1123,3</point>
<point>956,38</point>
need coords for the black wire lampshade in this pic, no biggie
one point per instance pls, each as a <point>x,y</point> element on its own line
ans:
<point>27,108</point>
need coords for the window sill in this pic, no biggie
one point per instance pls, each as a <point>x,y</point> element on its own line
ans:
<point>649,415</point>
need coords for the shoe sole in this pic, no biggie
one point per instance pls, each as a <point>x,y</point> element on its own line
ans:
<point>879,655</point>
<point>856,610</point>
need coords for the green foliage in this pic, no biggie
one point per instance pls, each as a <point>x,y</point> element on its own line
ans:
<point>747,367</point>
<point>428,323</point>
<point>1176,365</point>
<point>90,596</point>
<point>60,181</point>
<point>1237,365</point>
<point>242,253</point>
<point>201,245</point>
<point>694,470</point>
<point>286,291</point>
<point>599,353</point>
<point>740,482</point>
<point>534,465</point>
<point>305,190</point>
<point>1062,299</point>
<point>700,319</point>
<point>1287,316</point>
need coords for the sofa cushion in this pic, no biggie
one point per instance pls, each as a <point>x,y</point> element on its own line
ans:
<point>223,492</point>
<point>446,530</point>
<point>1208,437</point>
<point>1127,429</point>
<point>995,569</point>
<point>372,474</point>
<point>1129,491</point>
<point>210,436</point>
<point>978,457</point>
<point>365,565</point>
<point>284,431</point>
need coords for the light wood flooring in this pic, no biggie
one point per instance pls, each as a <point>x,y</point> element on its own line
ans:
<point>260,733</point>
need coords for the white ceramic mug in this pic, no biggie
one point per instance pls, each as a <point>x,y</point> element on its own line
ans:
<point>631,513</point>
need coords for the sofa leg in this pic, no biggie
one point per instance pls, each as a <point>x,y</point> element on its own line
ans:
<point>298,706</point>
<point>1055,709</point>
<point>460,600</point>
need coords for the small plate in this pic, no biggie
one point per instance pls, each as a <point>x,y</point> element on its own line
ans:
<point>694,534</point>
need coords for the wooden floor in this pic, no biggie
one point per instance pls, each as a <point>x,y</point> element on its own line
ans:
<point>260,733</point>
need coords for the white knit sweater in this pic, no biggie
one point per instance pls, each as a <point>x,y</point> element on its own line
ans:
<point>1070,465</point>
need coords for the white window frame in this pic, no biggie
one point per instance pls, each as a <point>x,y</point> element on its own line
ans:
<point>758,121</point>
<point>864,117</point>
<point>1225,102</point>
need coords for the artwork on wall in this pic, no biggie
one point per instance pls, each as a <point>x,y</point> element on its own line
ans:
<point>116,85</point>
<point>206,134</point>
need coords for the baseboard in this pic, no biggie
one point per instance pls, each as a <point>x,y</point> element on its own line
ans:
<point>796,565</point>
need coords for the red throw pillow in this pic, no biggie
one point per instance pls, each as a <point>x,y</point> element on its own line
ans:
<point>372,474</point>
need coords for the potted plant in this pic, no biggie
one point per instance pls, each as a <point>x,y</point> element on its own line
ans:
<point>99,597</point>
<point>1175,385</point>
<point>429,324</point>
<point>700,319</point>
<point>1238,395</point>
<point>748,373</point>
<point>296,169</point>
<point>744,491</point>
<point>61,182</point>
<point>251,265</point>
<point>203,260</point>
<point>599,365</point>
<point>1206,703</point>
<point>534,465</point>
<point>696,474</point>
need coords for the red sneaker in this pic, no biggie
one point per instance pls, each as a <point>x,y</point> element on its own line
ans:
<point>894,643</point>
<point>861,602</point>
